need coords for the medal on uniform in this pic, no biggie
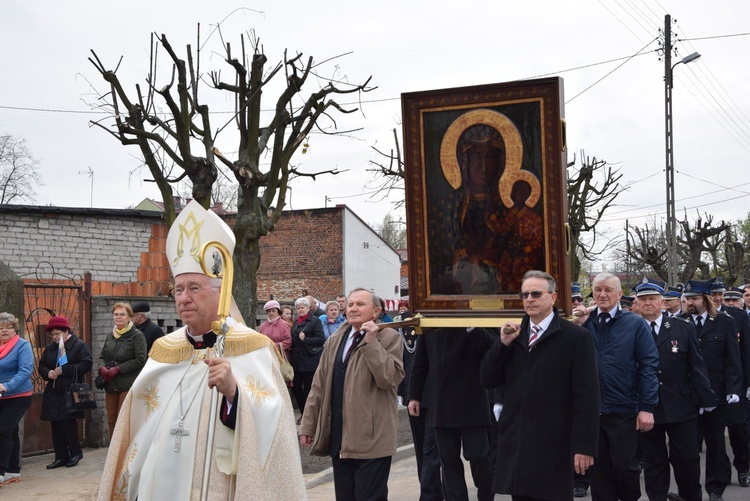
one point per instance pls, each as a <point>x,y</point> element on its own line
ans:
<point>674,347</point>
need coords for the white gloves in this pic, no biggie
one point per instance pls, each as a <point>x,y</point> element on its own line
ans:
<point>747,395</point>
<point>733,398</point>
<point>496,410</point>
<point>705,409</point>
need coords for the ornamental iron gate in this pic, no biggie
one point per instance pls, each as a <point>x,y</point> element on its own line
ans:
<point>46,294</point>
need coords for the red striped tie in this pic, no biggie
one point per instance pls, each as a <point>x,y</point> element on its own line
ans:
<point>535,330</point>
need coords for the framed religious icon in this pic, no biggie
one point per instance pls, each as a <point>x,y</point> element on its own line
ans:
<point>486,195</point>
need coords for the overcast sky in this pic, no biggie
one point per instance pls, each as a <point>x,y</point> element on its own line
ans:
<point>47,85</point>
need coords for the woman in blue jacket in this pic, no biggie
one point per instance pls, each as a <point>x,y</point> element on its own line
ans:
<point>16,365</point>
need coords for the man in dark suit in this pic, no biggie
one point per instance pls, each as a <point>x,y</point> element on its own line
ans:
<point>459,406</point>
<point>720,350</point>
<point>683,384</point>
<point>730,302</point>
<point>550,418</point>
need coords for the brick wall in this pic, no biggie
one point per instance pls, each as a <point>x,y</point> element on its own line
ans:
<point>304,251</point>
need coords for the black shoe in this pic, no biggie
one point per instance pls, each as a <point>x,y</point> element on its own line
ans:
<point>744,479</point>
<point>579,492</point>
<point>715,497</point>
<point>56,464</point>
<point>674,497</point>
<point>73,461</point>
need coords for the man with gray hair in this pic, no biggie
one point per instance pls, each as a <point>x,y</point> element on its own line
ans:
<point>350,412</point>
<point>550,418</point>
<point>627,363</point>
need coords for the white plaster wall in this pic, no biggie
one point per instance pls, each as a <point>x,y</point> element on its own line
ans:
<point>369,262</point>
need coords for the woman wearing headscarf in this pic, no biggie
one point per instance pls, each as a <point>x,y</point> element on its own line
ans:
<point>275,328</point>
<point>16,365</point>
<point>59,377</point>
<point>123,356</point>
<point>307,345</point>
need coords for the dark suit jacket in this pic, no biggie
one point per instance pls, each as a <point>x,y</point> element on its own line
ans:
<point>742,324</point>
<point>683,378</point>
<point>151,332</point>
<point>721,353</point>
<point>550,408</point>
<point>450,357</point>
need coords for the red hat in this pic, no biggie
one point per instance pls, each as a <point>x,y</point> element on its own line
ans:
<point>57,323</point>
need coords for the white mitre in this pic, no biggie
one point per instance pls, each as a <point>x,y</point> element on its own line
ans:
<point>191,230</point>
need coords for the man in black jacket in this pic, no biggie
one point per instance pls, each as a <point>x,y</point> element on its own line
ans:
<point>550,418</point>
<point>683,384</point>
<point>142,321</point>
<point>717,338</point>
<point>730,301</point>
<point>459,406</point>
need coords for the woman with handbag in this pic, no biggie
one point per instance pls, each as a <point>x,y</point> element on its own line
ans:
<point>16,366</point>
<point>123,356</point>
<point>59,378</point>
<point>307,344</point>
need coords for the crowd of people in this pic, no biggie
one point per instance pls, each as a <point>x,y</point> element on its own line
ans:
<point>630,386</point>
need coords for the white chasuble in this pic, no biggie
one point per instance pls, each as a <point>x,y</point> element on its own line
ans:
<point>260,457</point>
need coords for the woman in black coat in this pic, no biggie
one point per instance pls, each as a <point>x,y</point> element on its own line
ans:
<point>64,425</point>
<point>308,338</point>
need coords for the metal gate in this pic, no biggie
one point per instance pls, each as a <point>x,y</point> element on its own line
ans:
<point>45,295</point>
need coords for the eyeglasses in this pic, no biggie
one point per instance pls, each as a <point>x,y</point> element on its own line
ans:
<point>534,294</point>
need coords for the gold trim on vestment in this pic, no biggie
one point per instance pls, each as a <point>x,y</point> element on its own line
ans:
<point>168,350</point>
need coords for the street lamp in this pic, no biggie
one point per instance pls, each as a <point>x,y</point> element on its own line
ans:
<point>671,230</point>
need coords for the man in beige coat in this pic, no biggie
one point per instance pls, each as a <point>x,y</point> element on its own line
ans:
<point>350,413</point>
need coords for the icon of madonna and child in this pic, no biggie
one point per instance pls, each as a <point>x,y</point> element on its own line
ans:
<point>484,197</point>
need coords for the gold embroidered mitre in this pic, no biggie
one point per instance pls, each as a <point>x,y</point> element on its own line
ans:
<point>191,229</point>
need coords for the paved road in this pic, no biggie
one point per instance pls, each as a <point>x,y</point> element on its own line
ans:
<point>82,482</point>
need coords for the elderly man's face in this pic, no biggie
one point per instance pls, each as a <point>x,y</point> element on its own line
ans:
<point>650,306</point>
<point>731,301</point>
<point>672,305</point>
<point>360,309</point>
<point>607,294</point>
<point>197,301</point>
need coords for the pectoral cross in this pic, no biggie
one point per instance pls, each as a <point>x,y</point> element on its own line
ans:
<point>178,433</point>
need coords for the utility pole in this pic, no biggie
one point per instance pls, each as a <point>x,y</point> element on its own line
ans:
<point>671,228</point>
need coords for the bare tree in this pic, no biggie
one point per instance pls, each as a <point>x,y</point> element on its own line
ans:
<point>648,248</point>
<point>170,120</point>
<point>393,231</point>
<point>389,171</point>
<point>735,257</point>
<point>19,176</point>
<point>592,189</point>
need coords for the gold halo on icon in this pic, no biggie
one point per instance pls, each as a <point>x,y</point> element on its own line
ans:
<point>513,154</point>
